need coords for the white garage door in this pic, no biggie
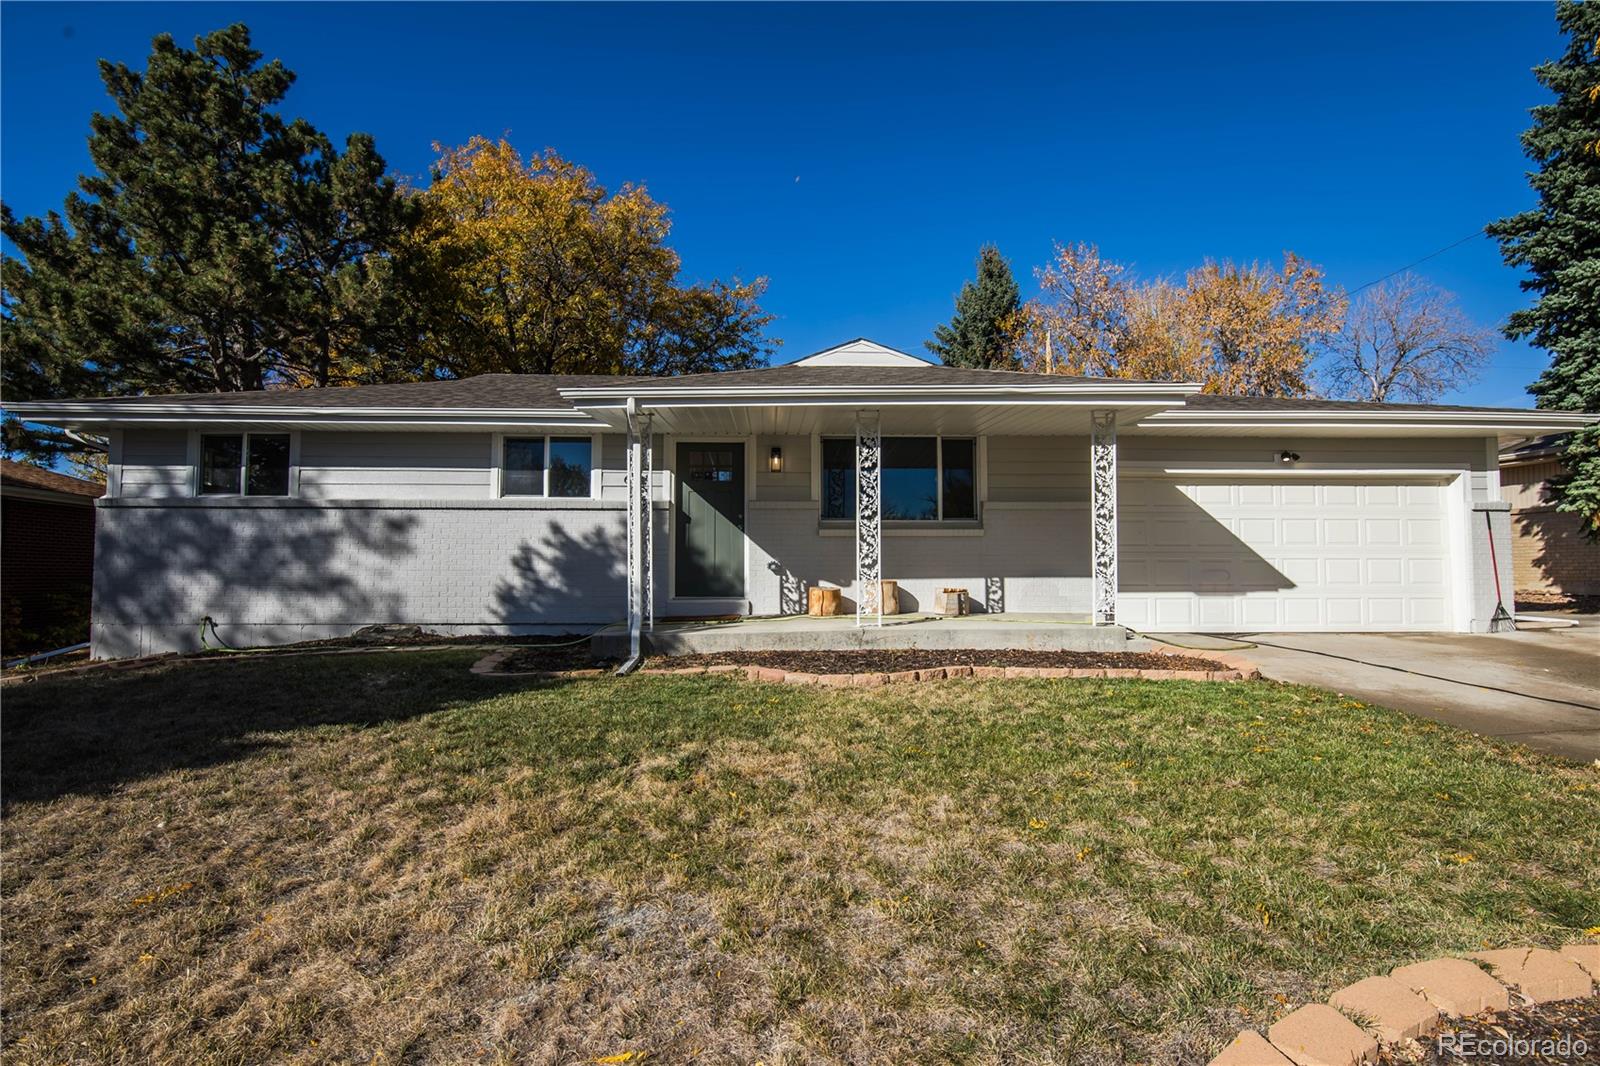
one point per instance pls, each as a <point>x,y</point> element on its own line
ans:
<point>1260,555</point>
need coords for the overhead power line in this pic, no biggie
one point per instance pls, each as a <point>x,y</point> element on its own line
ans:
<point>1453,244</point>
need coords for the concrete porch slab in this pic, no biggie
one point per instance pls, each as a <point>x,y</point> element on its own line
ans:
<point>994,632</point>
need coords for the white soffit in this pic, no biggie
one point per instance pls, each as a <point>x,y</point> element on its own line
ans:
<point>861,352</point>
<point>1437,422</point>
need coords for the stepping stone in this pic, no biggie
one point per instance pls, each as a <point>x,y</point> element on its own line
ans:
<point>1539,973</point>
<point>1455,986</point>
<point>1249,1048</point>
<point>1585,955</point>
<point>1393,1009</point>
<point>1318,1035</point>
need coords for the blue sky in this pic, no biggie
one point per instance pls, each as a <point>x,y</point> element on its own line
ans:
<point>858,156</point>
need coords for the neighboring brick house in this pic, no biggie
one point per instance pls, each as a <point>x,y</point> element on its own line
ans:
<point>46,556</point>
<point>1551,555</point>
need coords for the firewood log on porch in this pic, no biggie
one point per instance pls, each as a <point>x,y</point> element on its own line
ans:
<point>823,603</point>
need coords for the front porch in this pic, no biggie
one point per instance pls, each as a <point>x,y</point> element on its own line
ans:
<point>859,466</point>
<point>991,632</point>
<point>1024,522</point>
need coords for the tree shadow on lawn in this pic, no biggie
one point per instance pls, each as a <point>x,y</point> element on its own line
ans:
<point>91,734</point>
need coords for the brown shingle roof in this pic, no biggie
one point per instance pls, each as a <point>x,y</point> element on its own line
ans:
<point>795,374</point>
<point>26,475</point>
<point>485,391</point>
<point>543,391</point>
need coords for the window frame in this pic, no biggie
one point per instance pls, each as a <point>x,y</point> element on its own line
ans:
<point>196,457</point>
<point>939,476</point>
<point>498,464</point>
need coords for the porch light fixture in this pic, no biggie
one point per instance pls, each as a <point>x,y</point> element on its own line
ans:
<point>775,461</point>
<point>1288,458</point>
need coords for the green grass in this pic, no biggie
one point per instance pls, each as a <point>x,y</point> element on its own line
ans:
<point>381,858</point>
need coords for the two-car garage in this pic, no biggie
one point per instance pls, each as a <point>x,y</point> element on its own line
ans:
<point>1287,553</point>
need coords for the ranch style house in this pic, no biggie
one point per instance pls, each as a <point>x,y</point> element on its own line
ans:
<point>516,504</point>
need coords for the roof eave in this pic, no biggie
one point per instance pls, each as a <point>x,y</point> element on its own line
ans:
<point>1488,421</point>
<point>110,415</point>
<point>814,395</point>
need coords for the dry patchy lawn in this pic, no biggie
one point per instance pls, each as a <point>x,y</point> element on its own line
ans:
<point>379,858</point>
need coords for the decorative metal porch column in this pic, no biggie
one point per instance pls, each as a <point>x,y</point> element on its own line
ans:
<point>869,519</point>
<point>1103,508</point>
<point>641,546</point>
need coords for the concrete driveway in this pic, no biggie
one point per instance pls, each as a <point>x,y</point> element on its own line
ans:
<point>1539,686</point>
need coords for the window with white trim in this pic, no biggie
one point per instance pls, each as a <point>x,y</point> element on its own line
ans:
<point>244,464</point>
<point>924,479</point>
<point>546,466</point>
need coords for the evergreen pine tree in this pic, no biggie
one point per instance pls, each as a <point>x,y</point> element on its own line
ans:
<point>1558,243</point>
<point>979,334</point>
<point>215,246</point>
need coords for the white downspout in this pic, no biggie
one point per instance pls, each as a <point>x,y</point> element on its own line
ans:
<point>635,543</point>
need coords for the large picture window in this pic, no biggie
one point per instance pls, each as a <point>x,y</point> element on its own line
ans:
<point>546,466</point>
<point>244,464</point>
<point>924,479</point>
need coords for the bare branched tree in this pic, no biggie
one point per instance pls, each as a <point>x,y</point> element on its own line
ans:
<point>1406,340</point>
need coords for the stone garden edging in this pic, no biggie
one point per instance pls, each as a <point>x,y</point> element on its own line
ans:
<point>1411,1002</point>
<point>1239,669</point>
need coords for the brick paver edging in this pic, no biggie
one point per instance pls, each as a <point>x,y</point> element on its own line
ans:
<point>1410,1003</point>
<point>1237,671</point>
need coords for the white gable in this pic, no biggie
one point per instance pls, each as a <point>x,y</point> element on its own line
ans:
<point>861,352</point>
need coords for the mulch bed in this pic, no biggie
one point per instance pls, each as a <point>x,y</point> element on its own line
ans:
<point>880,660</point>
<point>875,661</point>
<point>404,636</point>
<point>1534,602</point>
<point>892,660</point>
<point>553,657</point>
<point>1539,1035</point>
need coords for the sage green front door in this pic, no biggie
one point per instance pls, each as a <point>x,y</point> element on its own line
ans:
<point>710,525</point>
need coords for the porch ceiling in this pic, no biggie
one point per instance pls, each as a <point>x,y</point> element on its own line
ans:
<point>1050,418</point>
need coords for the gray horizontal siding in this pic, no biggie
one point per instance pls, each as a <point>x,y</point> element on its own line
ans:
<point>1038,469</point>
<point>1474,453</point>
<point>424,466</point>
<point>794,482</point>
<point>614,466</point>
<point>155,463</point>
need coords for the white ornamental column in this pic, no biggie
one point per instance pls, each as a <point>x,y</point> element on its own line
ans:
<point>869,519</point>
<point>1103,514</point>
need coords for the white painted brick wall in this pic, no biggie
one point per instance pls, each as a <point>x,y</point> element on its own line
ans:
<point>1041,556</point>
<point>281,571</point>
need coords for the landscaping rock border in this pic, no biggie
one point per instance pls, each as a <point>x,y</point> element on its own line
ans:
<point>1238,670</point>
<point>1412,1002</point>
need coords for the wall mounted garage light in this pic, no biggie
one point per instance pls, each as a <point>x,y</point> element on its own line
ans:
<point>775,461</point>
<point>1288,458</point>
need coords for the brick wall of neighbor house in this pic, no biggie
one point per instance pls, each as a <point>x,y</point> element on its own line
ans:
<point>1550,551</point>
<point>46,566</point>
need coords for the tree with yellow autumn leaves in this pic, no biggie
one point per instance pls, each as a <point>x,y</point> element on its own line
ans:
<point>530,266</point>
<point>1241,329</point>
